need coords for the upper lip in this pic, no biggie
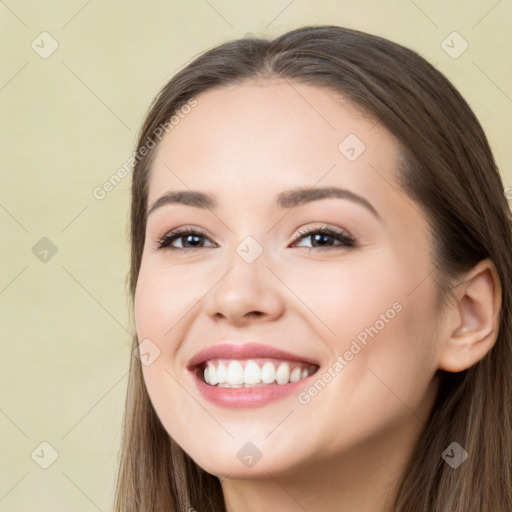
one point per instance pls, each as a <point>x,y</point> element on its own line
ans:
<point>245,351</point>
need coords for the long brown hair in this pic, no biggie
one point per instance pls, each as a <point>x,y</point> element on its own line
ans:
<point>447,167</point>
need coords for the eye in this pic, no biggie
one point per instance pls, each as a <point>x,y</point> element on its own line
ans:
<point>324,235</point>
<point>192,236</point>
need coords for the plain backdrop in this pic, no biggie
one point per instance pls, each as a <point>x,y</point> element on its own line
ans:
<point>76,79</point>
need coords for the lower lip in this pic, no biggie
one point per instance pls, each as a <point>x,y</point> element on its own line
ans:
<point>240,398</point>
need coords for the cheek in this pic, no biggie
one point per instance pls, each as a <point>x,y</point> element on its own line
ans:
<point>160,315</point>
<point>384,333</point>
<point>389,358</point>
<point>157,310</point>
<point>382,382</point>
<point>341,298</point>
<point>162,298</point>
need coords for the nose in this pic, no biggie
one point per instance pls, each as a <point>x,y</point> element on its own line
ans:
<point>246,292</point>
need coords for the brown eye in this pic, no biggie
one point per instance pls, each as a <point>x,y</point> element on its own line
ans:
<point>192,238</point>
<point>324,235</point>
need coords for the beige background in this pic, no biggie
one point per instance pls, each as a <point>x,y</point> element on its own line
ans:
<point>68,122</point>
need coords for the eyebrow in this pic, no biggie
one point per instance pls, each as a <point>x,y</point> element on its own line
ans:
<point>287,199</point>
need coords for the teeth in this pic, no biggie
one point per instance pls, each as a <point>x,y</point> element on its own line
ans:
<point>222,373</point>
<point>295,374</point>
<point>283,373</point>
<point>268,373</point>
<point>252,373</point>
<point>212,373</point>
<point>234,374</point>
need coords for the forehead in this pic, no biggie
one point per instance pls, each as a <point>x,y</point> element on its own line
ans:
<point>248,138</point>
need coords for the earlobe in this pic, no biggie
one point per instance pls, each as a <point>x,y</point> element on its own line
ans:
<point>474,319</point>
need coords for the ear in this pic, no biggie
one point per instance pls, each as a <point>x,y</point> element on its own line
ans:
<point>473,322</point>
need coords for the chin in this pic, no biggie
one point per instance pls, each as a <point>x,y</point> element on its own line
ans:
<point>247,460</point>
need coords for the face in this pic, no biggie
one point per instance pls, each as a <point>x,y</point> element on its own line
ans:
<point>353,307</point>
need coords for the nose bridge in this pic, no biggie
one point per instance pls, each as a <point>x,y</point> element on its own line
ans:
<point>250,250</point>
<point>247,285</point>
<point>247,271</point>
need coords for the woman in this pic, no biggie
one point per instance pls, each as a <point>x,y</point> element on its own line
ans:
<point>321,284</point>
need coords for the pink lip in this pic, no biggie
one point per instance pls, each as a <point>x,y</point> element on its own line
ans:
<point>246,351</point>
<point>238,398</point>
<point>241,398</point>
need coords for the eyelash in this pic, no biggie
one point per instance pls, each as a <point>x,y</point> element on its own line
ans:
<point>342,235</point>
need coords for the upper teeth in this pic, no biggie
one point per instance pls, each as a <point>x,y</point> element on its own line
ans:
<point>235,373</point>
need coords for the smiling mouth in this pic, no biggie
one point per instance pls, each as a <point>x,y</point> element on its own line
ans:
<point>254,372</point>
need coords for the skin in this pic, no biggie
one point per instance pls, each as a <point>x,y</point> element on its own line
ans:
<point>347,448</point>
